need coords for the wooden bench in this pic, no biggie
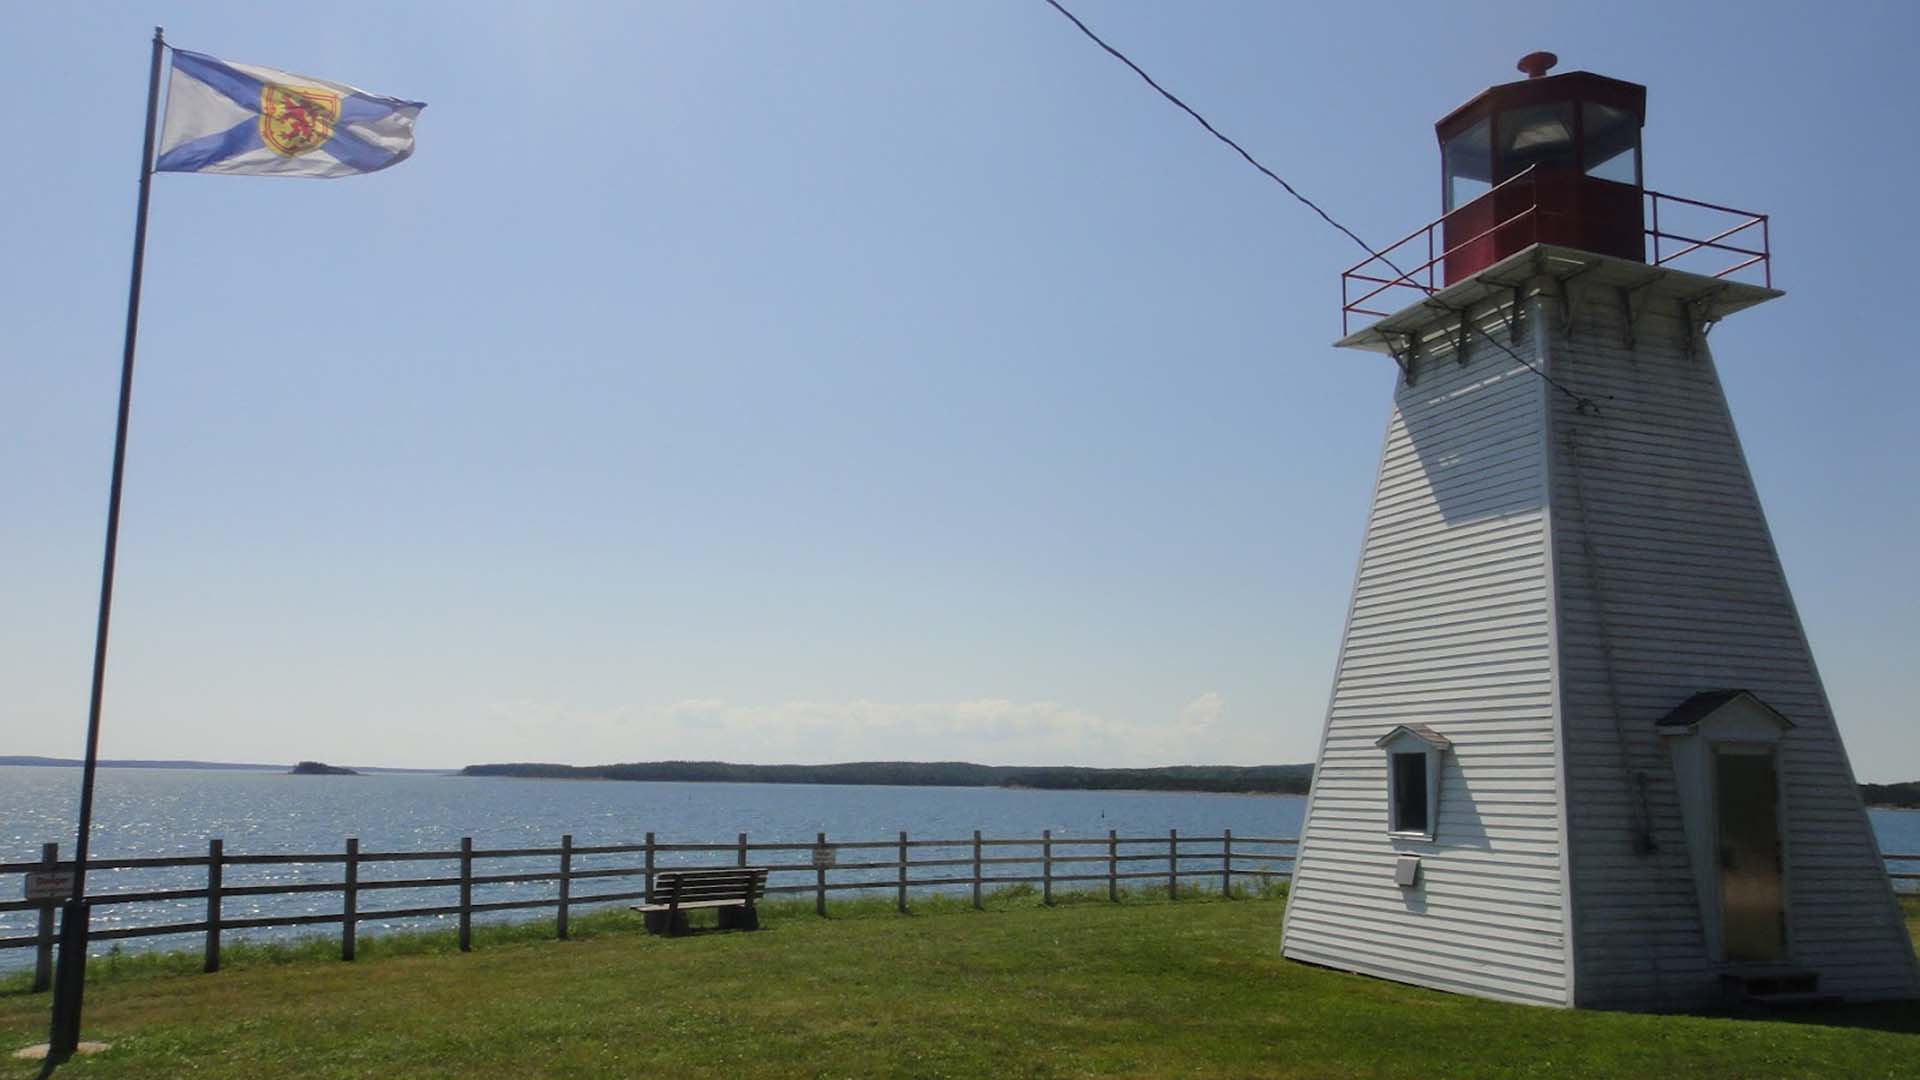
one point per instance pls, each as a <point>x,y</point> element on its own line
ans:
<point>731,892</point>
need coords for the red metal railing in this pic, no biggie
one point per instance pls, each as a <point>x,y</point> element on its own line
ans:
<point>1364,272</point>
<point>1522,227</point>
<point>1762,257</point>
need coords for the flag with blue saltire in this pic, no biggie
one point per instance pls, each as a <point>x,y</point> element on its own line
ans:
<point>244,119</point>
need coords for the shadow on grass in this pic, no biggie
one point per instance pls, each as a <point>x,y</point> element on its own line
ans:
<point>1893,1017</point>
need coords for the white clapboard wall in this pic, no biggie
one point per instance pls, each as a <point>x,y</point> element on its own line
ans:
<point>1451,626</point>
<point>1657,488</point>
<point>1539,584</point>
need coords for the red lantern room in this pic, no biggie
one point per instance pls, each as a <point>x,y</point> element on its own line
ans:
<point>1549,162</point>
<point>1566,147</point>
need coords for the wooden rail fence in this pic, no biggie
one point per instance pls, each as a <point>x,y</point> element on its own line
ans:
<point>972,863</point>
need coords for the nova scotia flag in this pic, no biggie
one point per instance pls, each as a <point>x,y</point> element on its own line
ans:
<point>224,117</point>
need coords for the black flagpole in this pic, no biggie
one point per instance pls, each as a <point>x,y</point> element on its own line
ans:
<point>69,979</point>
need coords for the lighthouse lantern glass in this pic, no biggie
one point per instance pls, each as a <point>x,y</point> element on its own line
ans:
<point>1467,161</point>
<point>1612,143</point>
<point>1535,135</point>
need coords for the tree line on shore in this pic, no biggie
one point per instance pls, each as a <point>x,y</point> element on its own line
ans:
<point>1267,779</point>
<point>1905,795</point>
<point>1263,779</point>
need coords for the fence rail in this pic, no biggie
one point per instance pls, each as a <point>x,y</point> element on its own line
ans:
<point>1047,860</point>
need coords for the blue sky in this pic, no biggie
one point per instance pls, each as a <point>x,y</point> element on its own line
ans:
<point>805,382</point>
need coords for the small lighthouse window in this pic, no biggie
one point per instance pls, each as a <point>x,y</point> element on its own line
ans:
<point>1536,135</point>
<point>1409,801</point>
<point>1467,160</point>
<point>1612,138</point>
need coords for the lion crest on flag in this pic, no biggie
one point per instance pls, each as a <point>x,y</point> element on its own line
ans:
<point>295,120</point>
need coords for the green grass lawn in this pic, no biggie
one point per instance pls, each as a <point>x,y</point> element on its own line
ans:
<point>1142,988</point>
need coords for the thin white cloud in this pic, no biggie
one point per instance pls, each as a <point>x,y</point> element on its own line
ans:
<point>1203,714</point>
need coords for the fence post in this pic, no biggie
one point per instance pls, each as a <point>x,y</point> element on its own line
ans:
<point>743,849</point>
<point>903,872</point>
<point>1113,865</point>
<point>820,881</point>
<point>561,922</point>
<point>1046,866</point>
<point>43,949</point>
<point>350,899</point>
<point>976,869</point>
<point>214,856</point>
<point>1226,866</point>
<point>1173,864</point>
<point>647,874</point>
<point>466,893</point>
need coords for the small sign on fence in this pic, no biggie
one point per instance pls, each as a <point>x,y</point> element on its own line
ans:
<point>47,886</point>
<point>824,856</point>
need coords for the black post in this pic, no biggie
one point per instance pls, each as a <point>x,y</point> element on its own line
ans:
<point>976,870</point>
<point>69,978</point>
<point>350,900</point>
<point>216,858</point>
<point>466,893</point>
<point>43,950</point>
<point>819,878</point>
<point>1226,865</point>
<point>1046,866</point>
<point>1173,864</point>
<point>561,921</point>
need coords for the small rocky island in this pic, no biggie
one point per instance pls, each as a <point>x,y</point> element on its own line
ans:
<point>320,768</point>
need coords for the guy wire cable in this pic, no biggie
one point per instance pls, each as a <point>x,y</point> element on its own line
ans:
<point>1584,404</point>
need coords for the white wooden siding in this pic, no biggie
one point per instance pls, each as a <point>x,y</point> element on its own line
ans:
<point>1693,598</point>
<point>1450,626</point>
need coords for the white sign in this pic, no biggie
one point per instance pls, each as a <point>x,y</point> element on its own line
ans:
<point>824,857</point>
<point>49,885</point>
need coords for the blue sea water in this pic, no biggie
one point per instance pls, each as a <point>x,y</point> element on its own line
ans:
<point>174,812</point>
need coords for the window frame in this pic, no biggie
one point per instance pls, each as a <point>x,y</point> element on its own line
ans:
<point>1403,766</point>
<point>1411,740</point>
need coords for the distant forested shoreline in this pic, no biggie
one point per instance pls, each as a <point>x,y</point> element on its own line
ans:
<point>1259,779</point>
<point>1902,796</point>
<point>1262,779</point>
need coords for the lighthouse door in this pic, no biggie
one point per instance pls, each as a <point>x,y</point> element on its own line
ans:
<point>1752,919</point>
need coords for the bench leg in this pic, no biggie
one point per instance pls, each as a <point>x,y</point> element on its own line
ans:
<point>670,923</point>
<point>739,918</point>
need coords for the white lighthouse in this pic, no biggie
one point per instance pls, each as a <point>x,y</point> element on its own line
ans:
<point>1577,751</point>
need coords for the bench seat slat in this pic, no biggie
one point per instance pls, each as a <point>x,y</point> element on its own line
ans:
<point>713,871</point>
<point>702,877</point>
<point>684,906</point>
